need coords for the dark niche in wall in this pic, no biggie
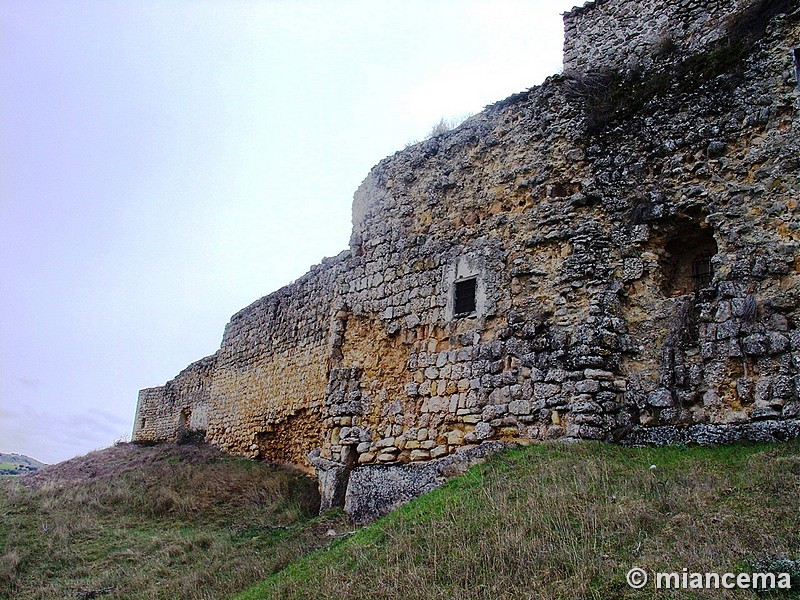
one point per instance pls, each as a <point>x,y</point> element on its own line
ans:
<point>184,434</point>
<point>686,265</point>
<point>797,67</point>
<point>464,303</point>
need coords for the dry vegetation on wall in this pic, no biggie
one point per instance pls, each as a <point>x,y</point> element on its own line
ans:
<point>442,126</point>
<point>562,522</point>
<point>165,521</point>
<point>610,96</point>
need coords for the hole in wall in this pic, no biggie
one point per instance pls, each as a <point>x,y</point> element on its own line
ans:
<point>183,420</point>
<point>686,265</point>
<point>350,462</point>
<point>464,297</point>
<point>184,436</point>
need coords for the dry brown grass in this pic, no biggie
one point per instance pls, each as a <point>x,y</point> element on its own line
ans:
<point>164,521</point>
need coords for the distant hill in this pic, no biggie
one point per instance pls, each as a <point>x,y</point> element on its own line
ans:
<point>18,464</point>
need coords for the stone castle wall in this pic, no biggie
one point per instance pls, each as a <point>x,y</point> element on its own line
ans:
<point>269,383</point>
<point>262,393</point>
<point>636,267</point>
<point>177,408</point>
<point>608,34</point>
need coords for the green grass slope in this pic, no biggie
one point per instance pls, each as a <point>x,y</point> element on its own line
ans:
<point>561,522</point>
<point>165,521</point>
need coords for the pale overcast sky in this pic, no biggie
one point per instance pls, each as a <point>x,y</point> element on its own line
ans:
<point>165,163</point>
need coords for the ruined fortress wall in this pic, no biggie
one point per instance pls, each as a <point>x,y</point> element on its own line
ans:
<point>635,267</point>
<point>269,382</point>
<point>426,218</point>
<point>714,161</point>
<point>261,394</point>
<point>620,34</point>
<point>178,407</point>
<point>583,245</point>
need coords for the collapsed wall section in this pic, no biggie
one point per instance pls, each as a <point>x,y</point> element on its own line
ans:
<point>177,409</point>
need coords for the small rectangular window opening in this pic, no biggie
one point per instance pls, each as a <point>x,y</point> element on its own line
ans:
<point>464,301</point>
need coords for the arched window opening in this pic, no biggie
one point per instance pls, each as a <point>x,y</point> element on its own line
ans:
<point>686,262</point>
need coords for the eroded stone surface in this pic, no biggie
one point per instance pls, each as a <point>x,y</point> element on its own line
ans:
<point>377,490</point>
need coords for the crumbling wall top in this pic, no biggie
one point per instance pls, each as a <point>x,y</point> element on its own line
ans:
<point>626,34</point>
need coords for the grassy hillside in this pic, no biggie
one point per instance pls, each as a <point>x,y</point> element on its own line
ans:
<point>562,522</point>
<point>547,521</point>
<point>153,522</point>
<point>18,464</point>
